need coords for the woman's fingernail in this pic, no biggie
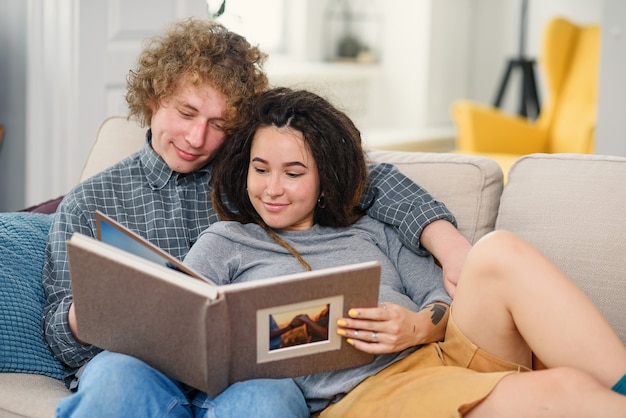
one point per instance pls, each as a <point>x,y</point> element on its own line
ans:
<point>353,313</point>
<point>341,323</point>
<point>341,331</point>
<point>350,341</point>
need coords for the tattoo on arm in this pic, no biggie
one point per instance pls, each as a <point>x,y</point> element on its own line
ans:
<point>438,311</point>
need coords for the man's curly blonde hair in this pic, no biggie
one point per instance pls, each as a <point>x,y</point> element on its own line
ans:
<point>199,52</point>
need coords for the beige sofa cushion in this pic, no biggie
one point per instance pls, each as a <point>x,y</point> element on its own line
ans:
<point>572,208</point>
<point>29,395</point>
<point>469,185</point>
<point>117,138</point>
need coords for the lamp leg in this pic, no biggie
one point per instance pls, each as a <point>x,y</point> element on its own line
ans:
<point>503,83</point>
<point>530,97</point>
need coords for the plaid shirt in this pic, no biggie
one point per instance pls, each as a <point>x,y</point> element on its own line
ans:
<point>171,209</point>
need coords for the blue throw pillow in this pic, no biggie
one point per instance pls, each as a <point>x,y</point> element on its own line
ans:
<point>22,244</point>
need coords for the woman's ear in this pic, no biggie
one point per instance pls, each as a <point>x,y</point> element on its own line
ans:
<point>321,201</point>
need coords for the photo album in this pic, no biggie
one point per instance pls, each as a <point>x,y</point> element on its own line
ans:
<point>134,298</point>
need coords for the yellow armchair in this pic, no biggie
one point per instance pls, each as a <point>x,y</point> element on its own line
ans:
<point>570,61</point>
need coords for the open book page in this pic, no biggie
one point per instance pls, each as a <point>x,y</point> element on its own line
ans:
<point>114,233</point>
<point>210,336</point>
<point>133,262</point>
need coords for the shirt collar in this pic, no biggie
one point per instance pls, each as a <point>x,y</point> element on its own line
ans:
<point>158,173</point>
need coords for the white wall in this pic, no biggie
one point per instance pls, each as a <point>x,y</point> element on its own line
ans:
<point>434,52</point>
<point>423,63</point>
<point>13,15</point>
<point>422,68</point>
<point>611,130</point>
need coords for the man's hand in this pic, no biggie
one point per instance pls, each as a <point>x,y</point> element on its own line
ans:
<point>71,320</point>
<point>449,247</point>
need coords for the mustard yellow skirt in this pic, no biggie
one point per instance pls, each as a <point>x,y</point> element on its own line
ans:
<point>444,379</point>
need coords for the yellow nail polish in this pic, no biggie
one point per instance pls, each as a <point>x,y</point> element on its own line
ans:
<point>353,313</point>
<point>350,341</point>
<point>341,331</point>
<point>341,323</point>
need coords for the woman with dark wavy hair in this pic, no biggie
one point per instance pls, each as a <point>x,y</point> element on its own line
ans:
<point>289,182</point>
<point>328,134</point>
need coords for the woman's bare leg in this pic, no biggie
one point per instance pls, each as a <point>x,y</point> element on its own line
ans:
<point>511,301</point>
<point>560,392</point>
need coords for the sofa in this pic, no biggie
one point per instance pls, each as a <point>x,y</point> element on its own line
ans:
<point>570,206</point>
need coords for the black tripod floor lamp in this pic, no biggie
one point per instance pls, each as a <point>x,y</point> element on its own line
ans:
<point>529,99</point>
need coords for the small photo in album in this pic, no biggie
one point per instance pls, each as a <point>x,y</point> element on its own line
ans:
<point>298,329</point>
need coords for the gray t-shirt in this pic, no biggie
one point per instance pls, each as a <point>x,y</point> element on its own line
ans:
<point>229,252</point>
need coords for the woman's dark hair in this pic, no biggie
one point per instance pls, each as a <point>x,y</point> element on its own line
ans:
<point>332,139</point>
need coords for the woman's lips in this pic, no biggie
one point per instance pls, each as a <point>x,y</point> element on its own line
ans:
<point>274,207</point>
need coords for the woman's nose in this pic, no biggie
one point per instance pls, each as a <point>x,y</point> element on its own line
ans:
<point>274,187</point>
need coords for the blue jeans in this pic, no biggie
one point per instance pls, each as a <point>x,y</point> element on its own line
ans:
<point>117,385</point>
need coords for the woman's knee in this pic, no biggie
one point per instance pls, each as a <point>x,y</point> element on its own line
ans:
<point>496,253</point>
<point>496,245</point>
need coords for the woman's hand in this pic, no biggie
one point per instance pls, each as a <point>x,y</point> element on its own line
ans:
<point>390,328</point>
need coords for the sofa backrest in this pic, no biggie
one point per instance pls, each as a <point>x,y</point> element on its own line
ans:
<point>117,138</point>
<point>572,207</point>
<point>469,185</point>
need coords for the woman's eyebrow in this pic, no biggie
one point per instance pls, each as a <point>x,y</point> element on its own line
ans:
<point>295,163</point>
<point>289,164</point>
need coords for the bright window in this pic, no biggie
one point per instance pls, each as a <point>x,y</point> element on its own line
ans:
<point>262,22</point>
